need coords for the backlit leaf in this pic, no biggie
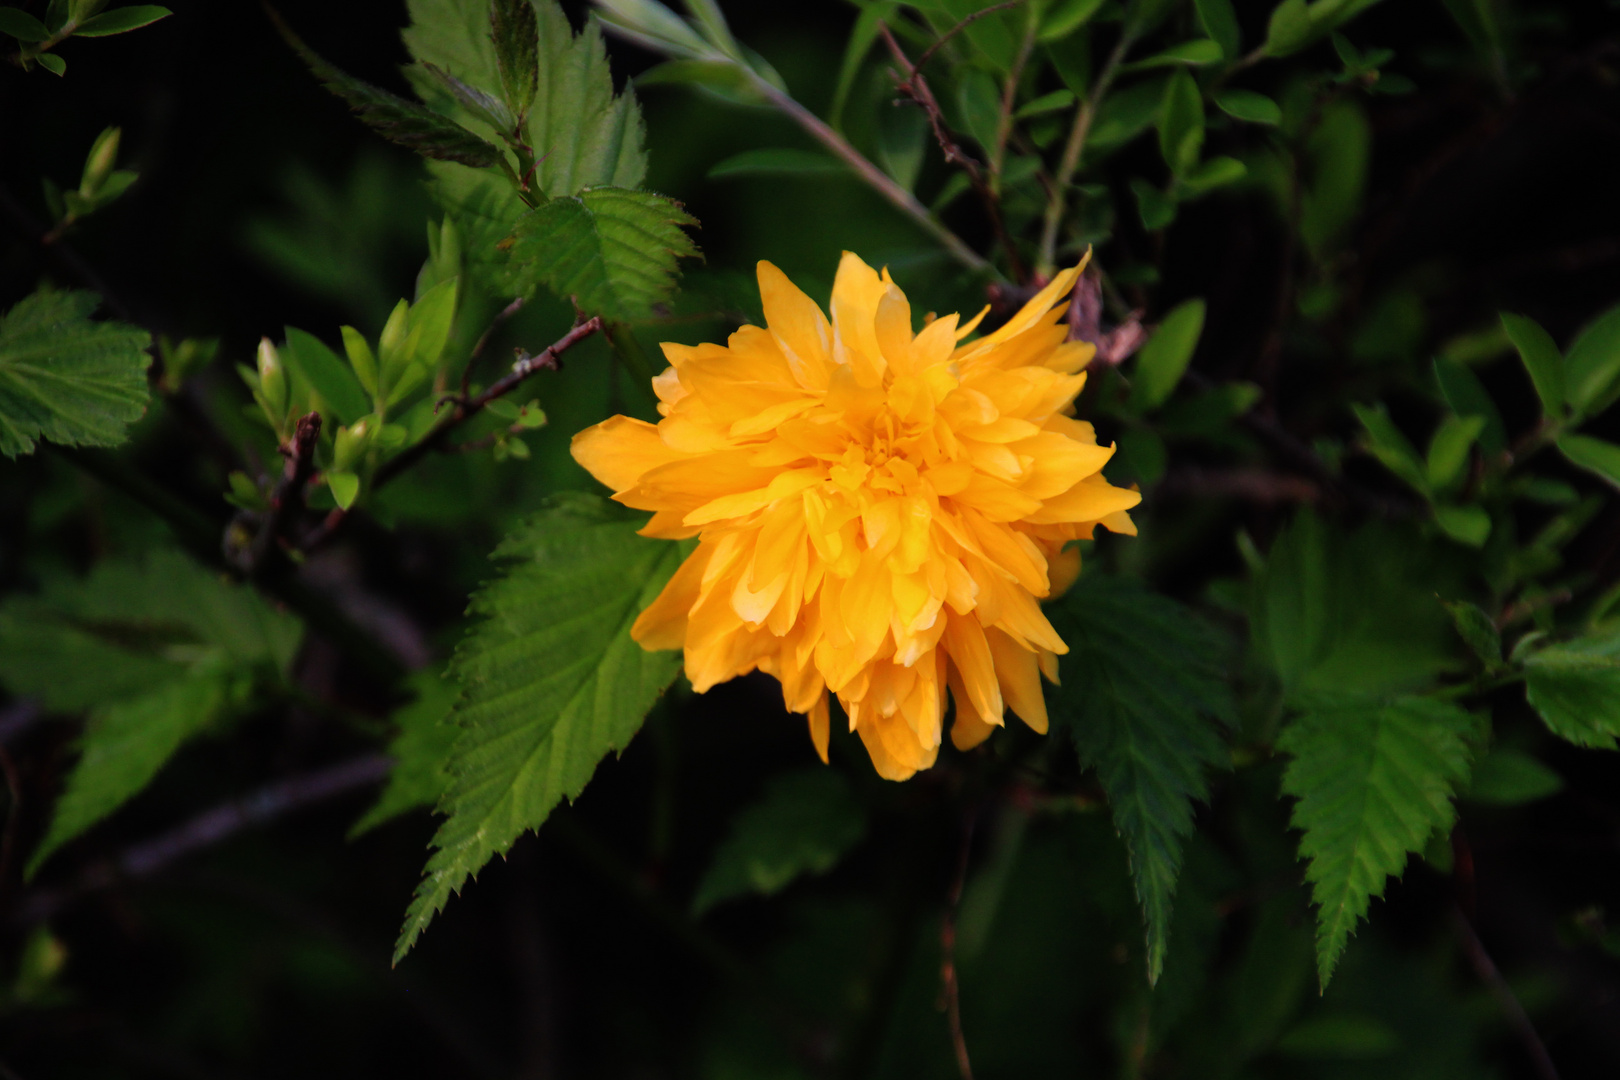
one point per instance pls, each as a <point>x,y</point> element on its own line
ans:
<point>1164,359</point>
<point>1575,687</point>
<point>1541,359</point>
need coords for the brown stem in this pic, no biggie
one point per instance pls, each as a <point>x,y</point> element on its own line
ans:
<point>1506,1000</point>
<point>915,87</point>
<point>467,408</point>
<point>148,857</point>
<point>947,948</point>
<point>288,498</point>
<point>483,339</point>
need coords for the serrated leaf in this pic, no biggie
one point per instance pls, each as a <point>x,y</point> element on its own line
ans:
<point>125,744</point>
<point>423,740</point>
<point>121,20</point>
<point>1594,455</point>
<point>550,684</point>
<point>1541,359</point>
<point>614,251</point>
<point>802,825</point>
<point>485,208</point>
<point>1575,687</point>
<point>1164,359</point>
<point>516,36</point>
<point>66,378</point>
<point>413,126</point>
<point>1477,631</point>
<point>1374,779</point>
<point>583,135</point>
<point>1140,697</point>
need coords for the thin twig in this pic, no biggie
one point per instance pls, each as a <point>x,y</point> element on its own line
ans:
<point>928,53</point>
<point>483,339</point>
<point>467,408</point>
<point>915,87</point>
<point>947,948</point>
<point>879,180</point>
<point>148,857</point>
<point>1072,155</point>
<point>288,497</point>
<point>1009,95</point>
<point>1487,971</point>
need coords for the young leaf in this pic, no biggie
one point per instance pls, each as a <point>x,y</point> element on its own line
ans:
<point>1386,442</point>
<point>1477,630</point>
<point>52,63</point>
<point>121,20</point>
<point>24,27</point>
<point>423,741</point>
<point>611,249</point>
<point>1541,360</point>
<point>516,36</point>
<point>1181,122</point>
<point>1466,397</point>
<point>803,825</point>
<point>1140,695</point>
<point>1448,448</point>
<point>1248,105</point>
<point>65,378</point>
<point>1593,364</point>
<point>333,381</point>
<point>125,744</point>
<point>412,126</point>
<point>1470,525</point>
<point>1576,689</point>
<point>1594,455</point>
<point>1374,780</point>
<point>1164,359</point>
<point>550,684</point>
<point>582,134</point>
<point>1219,20</point>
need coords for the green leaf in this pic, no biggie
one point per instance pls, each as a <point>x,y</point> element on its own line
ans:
<point>1478,630</point>
<point>1219,20</point>
<point>1470,525</point>
<point>778,162</point>
<point>1338,151</point>
<point>1334,612</point>
<point>614,251</point>
<point>1374,780</point>
<point>121,20</point>
<point>1289,29</point>
<point>52,63</point>
<point>1212,173</point>
<point>124,746</point>
<point>1140,697</point>
<point>1248,105</point>
<point>550,684</point>
<point>406,123</point>
<point>1510,778</point>
<point>516,36</point>
<point>1155,207</point>
<point>1056,101</point>
<point>1181,122</point>
<point>65,378</point>
<point>423,740</point>
<point>1576,689</point>
<point>1594,455</point>
<point>22,26</point>
<point>1541,360</point>
<point>1065,17</point>
<point>805,822</point>
<point>333,381</point>
<point>345,488</point>
<point>1466,397</point>
<point>1386,443</point>
<point>582,134</point>
<point>1164,359</point>
<point>1193,53</point>
<point>1448,448</point>
<point>485,208</point>
<point>1593,365</point>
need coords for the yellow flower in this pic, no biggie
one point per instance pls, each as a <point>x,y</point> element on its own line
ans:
<point>879,511</point>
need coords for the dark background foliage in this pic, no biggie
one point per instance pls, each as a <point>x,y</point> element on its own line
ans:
<point>262,203</point>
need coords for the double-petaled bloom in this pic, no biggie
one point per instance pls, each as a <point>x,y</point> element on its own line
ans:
<point>879,511</point>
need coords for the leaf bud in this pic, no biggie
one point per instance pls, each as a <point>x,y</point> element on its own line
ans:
<point>98,165</point>
<point>272,382</point>
<point>349,444</point>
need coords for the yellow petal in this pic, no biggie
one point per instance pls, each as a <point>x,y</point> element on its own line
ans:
<point>620,450</point>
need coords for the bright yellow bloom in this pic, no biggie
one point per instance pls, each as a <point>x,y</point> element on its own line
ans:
<point>879,511</point>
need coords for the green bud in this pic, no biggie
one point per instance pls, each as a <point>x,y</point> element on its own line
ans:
<point>272,383</point>
<point>99,164</point>
<point>349,444</point>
